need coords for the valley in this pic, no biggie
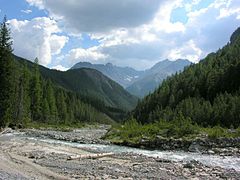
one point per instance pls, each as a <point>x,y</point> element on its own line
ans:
<point>138,83</point>
<point>67,111</point>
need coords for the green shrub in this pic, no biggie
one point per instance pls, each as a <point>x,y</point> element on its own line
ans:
<point>216,132</point>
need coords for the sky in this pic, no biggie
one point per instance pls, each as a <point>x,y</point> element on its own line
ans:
<point>135,33</point>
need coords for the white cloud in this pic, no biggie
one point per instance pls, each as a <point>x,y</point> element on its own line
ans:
<point>188,51</point>
<point>57,43</point>
<point>60,68</point>
<point>80,54</point>
<point>207,30</point>
<point>144,34</point>
<point>27,11</point>
<point>161,22</point>
<point>100,15</point>
<point>38,3</point>
<point>37,38</point>
<point>189,6</point>
<point>231,8</point>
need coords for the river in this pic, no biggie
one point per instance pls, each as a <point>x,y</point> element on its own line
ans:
<point>227,162</point>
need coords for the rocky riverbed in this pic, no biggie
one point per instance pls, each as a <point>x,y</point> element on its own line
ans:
<point>91,135</point>
<point>32,154</point>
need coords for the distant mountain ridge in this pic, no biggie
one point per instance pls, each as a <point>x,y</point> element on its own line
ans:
<point>138,83</point>
<point>122,75</point>
<point>153,77</point>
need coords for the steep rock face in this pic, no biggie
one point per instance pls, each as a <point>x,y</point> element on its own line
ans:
<point>122,75</point>
<point>153,77</point>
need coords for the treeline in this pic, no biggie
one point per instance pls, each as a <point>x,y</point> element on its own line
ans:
<point>208,92</point>
<point>26,97</point>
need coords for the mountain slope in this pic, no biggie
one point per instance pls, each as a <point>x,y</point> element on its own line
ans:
<point>153,77</point>
<point>122,75</point>
<point>207,92</point>
<point>91,83</point>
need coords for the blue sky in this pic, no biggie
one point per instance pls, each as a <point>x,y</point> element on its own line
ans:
<point>126,33</point>
<point>180,14</point>
<point>13,9</point>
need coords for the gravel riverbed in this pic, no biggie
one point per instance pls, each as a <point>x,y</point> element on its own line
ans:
<point>25,155</point>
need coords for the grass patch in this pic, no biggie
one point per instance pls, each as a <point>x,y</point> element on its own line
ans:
<point>132,131</point>
<point>181,127</point>
<point>218,132</point>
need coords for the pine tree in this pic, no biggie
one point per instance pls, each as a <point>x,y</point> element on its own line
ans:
<point>62,108</point>
<point>52,102</point>
<point>36,94</point>
<point>6,74</point>
<point>45,111</point>
<point>19,105</point>
<point>26,96</point>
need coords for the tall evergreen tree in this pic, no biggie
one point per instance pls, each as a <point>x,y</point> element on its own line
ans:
<point>45,111</point>
<point>36,94</point>
<point>25,77</point>
<point>51,101</point>
<point>62,107</point>
<point>6,74</point>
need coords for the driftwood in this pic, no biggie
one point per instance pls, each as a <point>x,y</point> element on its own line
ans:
<point>5,131</point>
<point>90,156</point>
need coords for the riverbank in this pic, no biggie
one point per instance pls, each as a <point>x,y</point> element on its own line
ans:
<point>96,135</point>
<point>218,146</point>
<point>30,154</point>
<point>87,135</point>
<point>187,137</point>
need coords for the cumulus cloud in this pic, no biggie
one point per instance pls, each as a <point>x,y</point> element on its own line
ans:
<point>204,32</point>
<point>139,33</point>
<point>188,51</point>
<point>80,54</point>
<point>57,43</point>
<point>100,15</point>
<point>207,30</point>
<point>60,68</point>
<point>37,38</point>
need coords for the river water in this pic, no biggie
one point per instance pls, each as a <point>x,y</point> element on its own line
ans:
<point>227,162</point>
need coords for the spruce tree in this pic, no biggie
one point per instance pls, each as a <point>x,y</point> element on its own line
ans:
<point>62,107</point>
<point>6,74</point>
<point>26,95</point>
<point>36,94</point>
<point>19,106</point>
<point>52,102</point>
<point>45,111</point>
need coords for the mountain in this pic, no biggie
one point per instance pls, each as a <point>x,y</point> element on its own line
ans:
<point>153,77</point>
<point>235,35</point>
<point>208,93</point>
<point>138,83</point>
<point>122,75</point>
<point>90,83</point>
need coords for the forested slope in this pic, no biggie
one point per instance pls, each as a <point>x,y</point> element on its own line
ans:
<point>89,83</point>
<point>207,92</point>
